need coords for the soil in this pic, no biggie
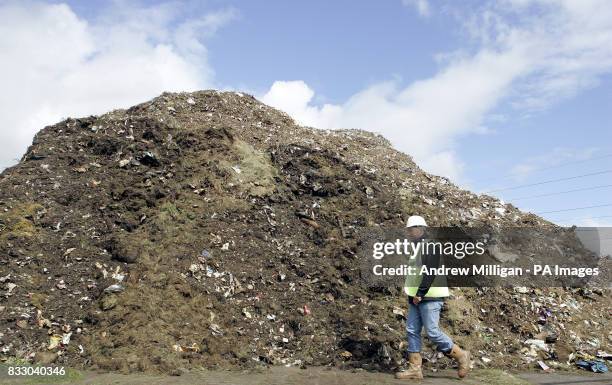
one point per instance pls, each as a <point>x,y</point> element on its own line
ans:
<point>207,230</point>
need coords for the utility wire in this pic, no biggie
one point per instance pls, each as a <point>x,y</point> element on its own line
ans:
<point>508,176</point>
<point>575,208</point>
<point>592,228</point>
<point>549,181</point>
<point>600,239</point>
<point>572,222</point>
<point>559,193</point>
<point>587,218</point>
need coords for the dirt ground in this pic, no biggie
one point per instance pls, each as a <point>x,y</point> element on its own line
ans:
<point>310,376</point>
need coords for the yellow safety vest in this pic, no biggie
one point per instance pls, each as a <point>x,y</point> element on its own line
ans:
<point>412,282</point>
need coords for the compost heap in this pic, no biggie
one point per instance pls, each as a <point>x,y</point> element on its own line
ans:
<point>207,229</point>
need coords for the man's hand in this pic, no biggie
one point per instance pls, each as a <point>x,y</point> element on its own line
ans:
<point>416,300</point>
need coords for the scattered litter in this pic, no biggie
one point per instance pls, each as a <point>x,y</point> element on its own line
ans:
<point>115,288</point>
<point>216,330</point>
<point>543,366</point>
<point>66,338</point>
<point>184,177</point>
<point>594,366</point>
<point>54,341</point>
<point>540,344</point>
<point>305,310</point>
<point>604,355</point>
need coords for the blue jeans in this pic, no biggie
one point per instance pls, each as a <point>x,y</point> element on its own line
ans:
<point>426,315</point>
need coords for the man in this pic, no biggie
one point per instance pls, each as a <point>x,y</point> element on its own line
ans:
<point>425,298</point>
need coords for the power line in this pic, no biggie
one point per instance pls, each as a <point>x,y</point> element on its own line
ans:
<point>587,218</point>
<point>549,181</point>
<point>559,193</point>
<point>573,221</point>
<point>600,239</point>
<point>508,176</point>
<point>575,208</point>
<point>592,228</point>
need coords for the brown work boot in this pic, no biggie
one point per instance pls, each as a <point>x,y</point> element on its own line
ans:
<point>463,360</point>
<point>414,371</point>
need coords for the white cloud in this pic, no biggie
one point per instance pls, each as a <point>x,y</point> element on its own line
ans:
<point>56,64</point>
<point>532,52</point>
<point>422,6</point>
<point>422,119</point>
<point>294,98</point>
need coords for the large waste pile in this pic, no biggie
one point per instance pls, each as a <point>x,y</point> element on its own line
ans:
<point>209,230</point>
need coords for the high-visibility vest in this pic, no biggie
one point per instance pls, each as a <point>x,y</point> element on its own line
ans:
<point>438,288</point>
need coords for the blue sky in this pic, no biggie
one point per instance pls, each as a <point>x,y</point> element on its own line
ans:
<point>333,46</point>
<point>486,93</point>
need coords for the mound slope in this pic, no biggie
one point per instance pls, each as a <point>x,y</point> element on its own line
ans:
<point>208,229</point>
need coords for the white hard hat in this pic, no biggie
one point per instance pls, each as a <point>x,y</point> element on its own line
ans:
<point>416,220</point>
